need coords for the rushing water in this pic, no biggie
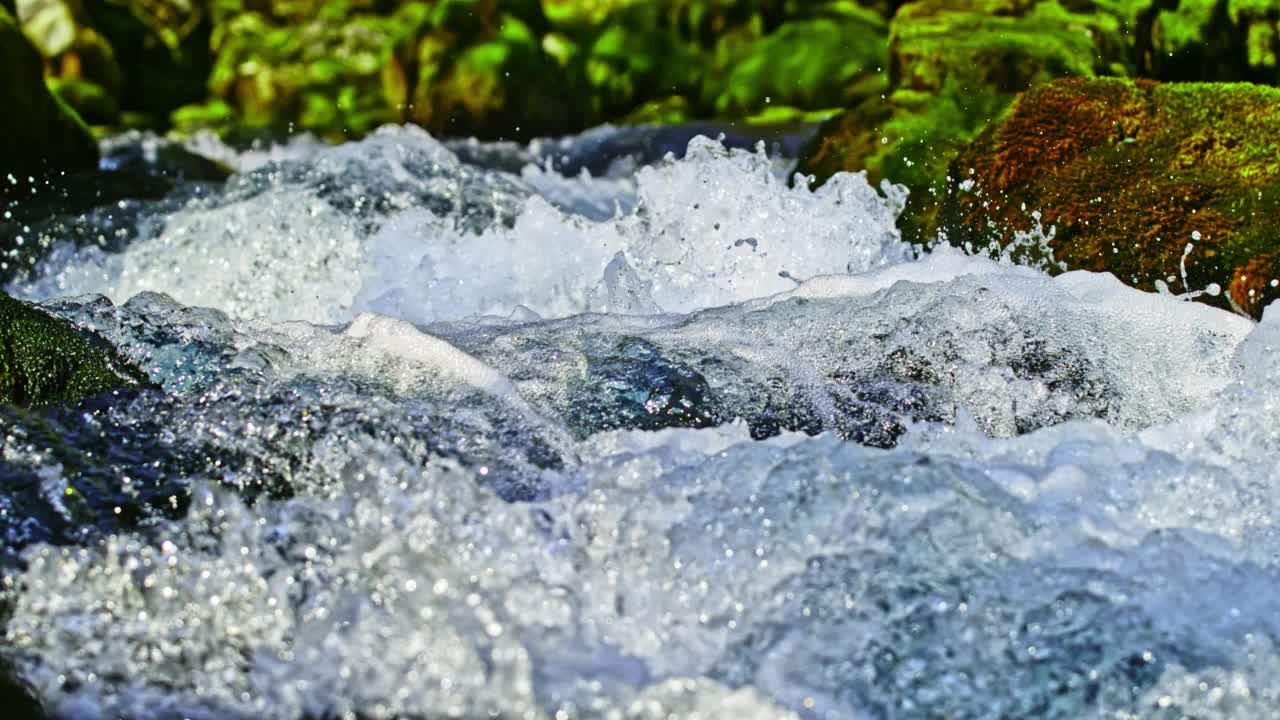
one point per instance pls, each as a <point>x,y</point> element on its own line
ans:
<point>446,432</point>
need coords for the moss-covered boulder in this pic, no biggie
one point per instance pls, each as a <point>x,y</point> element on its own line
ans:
<point>46,360</point>
<point>954,66</point>
<point>38,133</point>
<point>1142,179</point>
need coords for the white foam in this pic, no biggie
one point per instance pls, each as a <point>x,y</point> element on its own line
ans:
<point>715,228</point>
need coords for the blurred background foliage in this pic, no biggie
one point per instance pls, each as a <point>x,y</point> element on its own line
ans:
<point>523,68</point>
<point>491,68</point>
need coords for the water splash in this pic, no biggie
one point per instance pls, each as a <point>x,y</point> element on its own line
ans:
<point>934,487</point>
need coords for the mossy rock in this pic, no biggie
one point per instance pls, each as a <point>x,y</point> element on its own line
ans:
<point>45,360</point>
<point>1130,174</point>
<point>40,134</point>
<point>954,66</point>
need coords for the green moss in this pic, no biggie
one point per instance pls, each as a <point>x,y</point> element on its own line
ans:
<point>806,63</point>
<point>506,86</point>
<point>955,65</point>
<point>785,114</point>
<point>575,14</point>
<point>215,115</point>
<point>669,110</point>
<point>45,360</point>
<point>1128,173</point>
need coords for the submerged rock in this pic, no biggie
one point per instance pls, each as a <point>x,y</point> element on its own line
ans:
<point>38,133</point>
<point>1164,185</point>
<point>45,360</point>
<point>628,383</point>
<point>954,66</point>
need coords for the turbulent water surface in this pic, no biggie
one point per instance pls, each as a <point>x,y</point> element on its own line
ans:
<point>460,430</point>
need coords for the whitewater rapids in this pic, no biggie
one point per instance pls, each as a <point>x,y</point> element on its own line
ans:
<point>437,439</point>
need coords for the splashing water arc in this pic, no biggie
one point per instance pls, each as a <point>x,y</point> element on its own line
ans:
<point>683,440</point>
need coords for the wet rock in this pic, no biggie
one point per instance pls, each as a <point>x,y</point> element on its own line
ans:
<point>17,698</point>
<point>39,134</point>
<point>629,384</point>
<point>1164,185</point>
<point>954,66</point>
<point>45,360</point>
<point>866,383</point>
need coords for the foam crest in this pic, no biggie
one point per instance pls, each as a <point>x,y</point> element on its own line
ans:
<point>287,239</point>
<point>717,227</point>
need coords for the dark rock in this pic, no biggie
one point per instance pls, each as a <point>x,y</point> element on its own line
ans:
<point>630,384</point>
<point>38,133</point>
<point>16,697</point>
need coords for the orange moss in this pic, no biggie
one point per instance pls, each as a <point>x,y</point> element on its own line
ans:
<point>1128,173</point>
